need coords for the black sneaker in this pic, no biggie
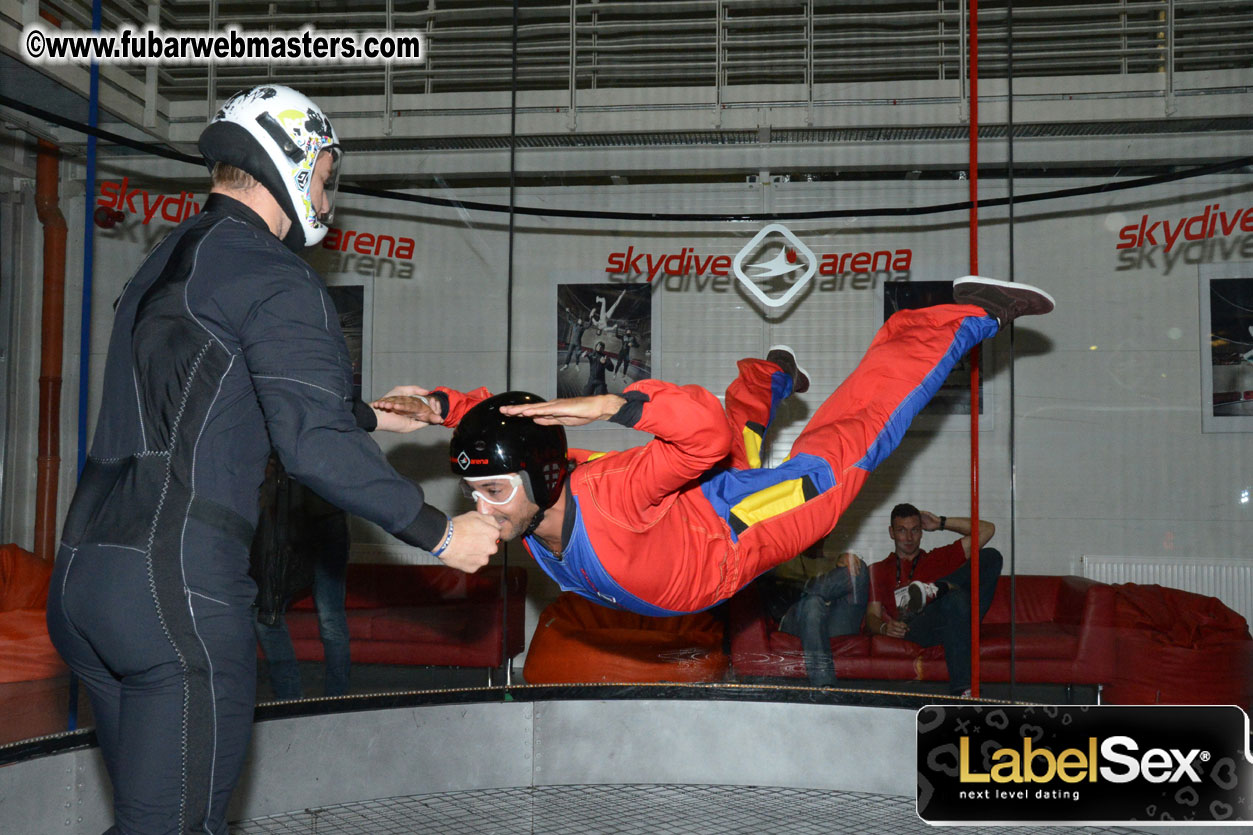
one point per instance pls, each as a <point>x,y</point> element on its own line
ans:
<point>785,358</point>
<point>1005,300</point>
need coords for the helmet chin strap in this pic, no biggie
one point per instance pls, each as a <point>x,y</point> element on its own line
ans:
<point>539,514</point>
<point>535,520</point>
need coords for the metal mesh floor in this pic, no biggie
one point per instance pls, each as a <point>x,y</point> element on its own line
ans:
<point>624,810</point>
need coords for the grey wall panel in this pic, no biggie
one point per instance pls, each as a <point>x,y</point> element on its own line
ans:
<point>323,760</point>
<point>319,761</point>
<point>725,743</point>
<point>68,794</point>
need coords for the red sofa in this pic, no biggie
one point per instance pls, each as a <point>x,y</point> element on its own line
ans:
<point>422,615</point>
<point>1064,634</point>
<point>26,651</point>
<point>1143,644</point>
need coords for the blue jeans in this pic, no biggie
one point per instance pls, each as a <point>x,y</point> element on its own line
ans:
<point>946,620</point>
<point>328,597</point>
<point>831,604</point>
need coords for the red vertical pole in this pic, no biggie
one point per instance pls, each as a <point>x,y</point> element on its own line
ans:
<point>975,354</point>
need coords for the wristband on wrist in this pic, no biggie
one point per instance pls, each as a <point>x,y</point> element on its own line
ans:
<point>943,519</point>
<point>443,546</point>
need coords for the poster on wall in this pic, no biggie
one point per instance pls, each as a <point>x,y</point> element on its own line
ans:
<point>604,337</point>
<point>949,409</point>
<point>1227,348</point>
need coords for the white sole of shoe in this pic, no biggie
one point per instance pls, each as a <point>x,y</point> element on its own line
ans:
<point>799,370</point>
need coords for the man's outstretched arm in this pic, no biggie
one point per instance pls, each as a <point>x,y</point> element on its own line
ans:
<point>423,407</point>
<point>690,432</point>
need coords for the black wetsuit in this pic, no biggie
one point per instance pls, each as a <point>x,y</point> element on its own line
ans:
<point>225,343</point>
<point>597,362</point>
<point>624,354</point>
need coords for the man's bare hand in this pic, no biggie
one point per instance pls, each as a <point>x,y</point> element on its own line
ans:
<point>475,537</point>
<point>930,522</point>
<point>569,411</point>
<point>406,408</point>
<point>895,628</point>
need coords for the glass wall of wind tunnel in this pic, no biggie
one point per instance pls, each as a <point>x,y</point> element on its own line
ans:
<point>706,164</point>
<point>645,153</point>
<point>690,159</point>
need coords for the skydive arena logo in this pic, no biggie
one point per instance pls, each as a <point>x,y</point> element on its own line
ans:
<point>792,266</point>
<point>773,268</point>
<point>1088,764</point>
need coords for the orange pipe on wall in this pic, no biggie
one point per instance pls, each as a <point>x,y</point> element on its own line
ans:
<point>47,199</point>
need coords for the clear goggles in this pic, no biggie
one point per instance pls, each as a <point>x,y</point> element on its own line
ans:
<point>331,189</point>
<point>495,489</point>
<point>296,156</point>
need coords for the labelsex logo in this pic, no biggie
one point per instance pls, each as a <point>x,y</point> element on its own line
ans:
<point>790,257</point>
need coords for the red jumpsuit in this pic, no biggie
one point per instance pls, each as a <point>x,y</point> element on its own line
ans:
<point>686,520</point>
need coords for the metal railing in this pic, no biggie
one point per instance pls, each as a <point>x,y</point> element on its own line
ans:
<point>586,45</point>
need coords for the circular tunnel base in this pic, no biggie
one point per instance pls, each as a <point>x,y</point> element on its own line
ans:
<point>625,810</point>
<point>570,760</point>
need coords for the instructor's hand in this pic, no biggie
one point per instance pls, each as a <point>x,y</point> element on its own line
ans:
<point>475,538</point>
<point>406,408</point>
<point>569,411</point>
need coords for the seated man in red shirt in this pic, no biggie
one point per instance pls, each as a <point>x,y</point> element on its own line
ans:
<point>686,520</point>
<point>924,596</point>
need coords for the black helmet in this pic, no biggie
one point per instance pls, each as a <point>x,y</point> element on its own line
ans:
<point>487,443</point>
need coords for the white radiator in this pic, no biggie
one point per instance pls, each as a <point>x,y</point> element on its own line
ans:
<point>1231,581</point>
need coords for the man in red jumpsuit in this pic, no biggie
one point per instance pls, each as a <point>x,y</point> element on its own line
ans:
<point>686,520</point>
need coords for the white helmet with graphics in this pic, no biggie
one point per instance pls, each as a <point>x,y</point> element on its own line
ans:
<point>276,135</point>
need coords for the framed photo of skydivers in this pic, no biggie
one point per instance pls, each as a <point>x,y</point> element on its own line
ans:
<point>1227,347</point>
<point>949,409</point>
<point>604,337</point>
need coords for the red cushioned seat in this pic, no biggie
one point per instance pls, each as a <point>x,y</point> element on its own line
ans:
<point>422,615</point>
<point>26,651</point>
<point>1031,641</point>
<point>579,641</point>
<point>1063,633</point>
<point>884,646</point>
<point>1176,647</point>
